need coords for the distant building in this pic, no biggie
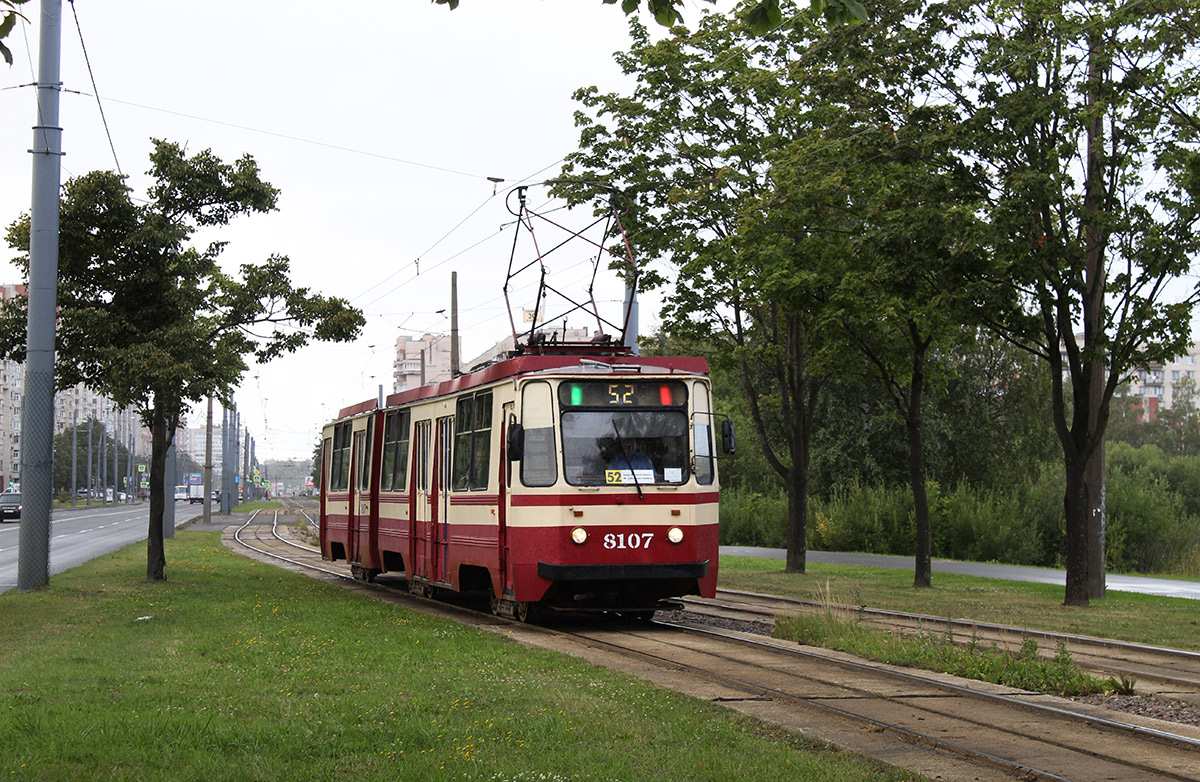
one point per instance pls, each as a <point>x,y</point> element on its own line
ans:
<point>501,349</point>
<point>407,370</point>
<point>1156,384</point>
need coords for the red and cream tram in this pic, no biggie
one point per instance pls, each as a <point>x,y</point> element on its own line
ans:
<point>579,482</point>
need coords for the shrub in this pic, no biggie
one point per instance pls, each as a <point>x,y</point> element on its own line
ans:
<point>861,518</point>
<point>749,518</point>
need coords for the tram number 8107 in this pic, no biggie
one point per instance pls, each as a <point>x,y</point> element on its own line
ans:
<point>620,540</point>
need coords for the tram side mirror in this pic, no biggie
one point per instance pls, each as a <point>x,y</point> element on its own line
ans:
<point>728,440</point>
<point>516,442</point>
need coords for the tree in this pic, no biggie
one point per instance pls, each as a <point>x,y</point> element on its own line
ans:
<point>315,472</point>
<point>755,163</point>
<point>690,149</point>
<point>762,16</point>
<point>1086,118</point>
<point>8,20</point>
<point>908,204</point>
<point>156,324</point>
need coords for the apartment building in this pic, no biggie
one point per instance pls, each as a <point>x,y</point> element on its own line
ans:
<point>407,370</point>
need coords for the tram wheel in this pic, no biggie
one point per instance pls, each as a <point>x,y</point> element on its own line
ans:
<point>527,612</point>
<point>493,601</point>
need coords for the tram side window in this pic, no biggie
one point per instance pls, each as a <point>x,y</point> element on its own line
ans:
<point>472,442</point>
<point>539,463</point>
<point>395,451</point>
<point>362,447</point>
<point>702,433</point>
<point>339,474</point>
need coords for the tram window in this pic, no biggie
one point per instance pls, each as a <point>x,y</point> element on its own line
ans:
<point>607,447</point>
<point>472,442</point>
<point>327,462</point>
<point>395,451</point>
<point>539,465</point>
<point>339,474</point>
<point>362,451</point>
<point>702,435</point>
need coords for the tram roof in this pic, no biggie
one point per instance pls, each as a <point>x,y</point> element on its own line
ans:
<point>538,364</point>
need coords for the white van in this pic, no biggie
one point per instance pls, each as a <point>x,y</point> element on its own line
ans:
<point>181,493</point>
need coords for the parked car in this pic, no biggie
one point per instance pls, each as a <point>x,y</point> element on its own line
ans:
<point>10,507</point>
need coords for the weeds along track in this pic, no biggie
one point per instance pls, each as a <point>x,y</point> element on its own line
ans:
<point>1158,671</point>
<point>932,724</point>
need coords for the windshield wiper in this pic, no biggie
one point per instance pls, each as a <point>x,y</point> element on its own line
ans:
<point>628,459</point>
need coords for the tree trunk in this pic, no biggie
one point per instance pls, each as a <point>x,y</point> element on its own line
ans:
<point>923,567</point>
<point>797,537</point>
<point>1093,314</point>
<point>156,558</point>
<point>1077,507</point>
<point>802,391</point>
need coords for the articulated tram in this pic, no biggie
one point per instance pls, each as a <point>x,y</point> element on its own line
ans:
<point>582,481</point>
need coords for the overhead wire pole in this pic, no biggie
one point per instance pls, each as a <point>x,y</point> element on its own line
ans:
<point>37,406</point>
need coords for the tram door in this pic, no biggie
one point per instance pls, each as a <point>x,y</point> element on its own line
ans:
<point>441,505</point>
<point>506,471</point>
<point>360,490</point>
<point>422,499</point>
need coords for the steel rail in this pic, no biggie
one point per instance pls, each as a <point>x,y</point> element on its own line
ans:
<point>1084,645</point>
<point>969,624</point>
<point>237,535</point>
<point>1137,731</point>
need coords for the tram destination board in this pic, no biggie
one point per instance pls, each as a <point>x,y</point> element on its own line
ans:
<point>637,393</point>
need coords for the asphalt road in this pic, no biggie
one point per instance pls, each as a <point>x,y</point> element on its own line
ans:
<point>1166,587</point>
<point>78,535</point>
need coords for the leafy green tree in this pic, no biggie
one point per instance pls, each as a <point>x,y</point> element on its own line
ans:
<point>315,472</point>
<point>803,198</point>
<point>8,20</point>
<point>691,148</point>
<point>762,16</point>
<point>997,394</point>
<point>880,184</point>
<point>154,323</point>
<point>1085,118</point>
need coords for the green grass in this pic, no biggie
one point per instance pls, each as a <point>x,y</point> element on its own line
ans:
<point>1124,615</point>
<point>1024,669</point>
<point>234,669</point>
<point>253,505</point>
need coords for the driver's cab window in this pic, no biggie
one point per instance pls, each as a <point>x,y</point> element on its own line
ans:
<point>625,433</point>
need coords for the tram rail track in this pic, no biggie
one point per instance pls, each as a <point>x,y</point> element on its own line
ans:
<point>929,723</point>
<point>1158,671</point>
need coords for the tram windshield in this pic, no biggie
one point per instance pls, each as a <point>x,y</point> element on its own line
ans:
<point>618,447</point>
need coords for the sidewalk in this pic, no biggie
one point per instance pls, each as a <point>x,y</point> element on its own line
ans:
<point>1165,587</point>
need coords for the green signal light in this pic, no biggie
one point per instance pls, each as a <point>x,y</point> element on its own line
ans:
<point>576,395</point>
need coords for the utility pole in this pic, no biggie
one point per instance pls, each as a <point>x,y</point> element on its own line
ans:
<point>226,478</point>
<point>454,324</point>
<point>168,517</point>
<point>208,465</point>
<point>90,479</point>
<point>37,405</point>
<point>74,452</point>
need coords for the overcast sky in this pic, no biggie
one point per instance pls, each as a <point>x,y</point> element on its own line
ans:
<point>380,121</point>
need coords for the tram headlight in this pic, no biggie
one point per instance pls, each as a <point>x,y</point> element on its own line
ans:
<point>579,535</point>
<point>675,534</point>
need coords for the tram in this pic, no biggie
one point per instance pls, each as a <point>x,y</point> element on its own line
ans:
<point>570,482</point>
